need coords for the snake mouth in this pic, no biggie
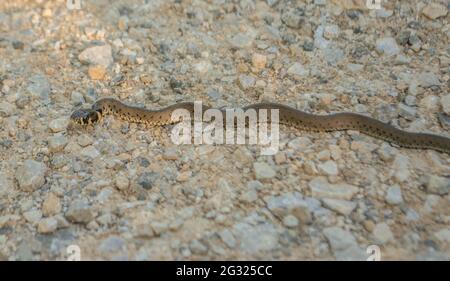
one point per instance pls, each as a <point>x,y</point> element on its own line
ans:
<point>85,116</point>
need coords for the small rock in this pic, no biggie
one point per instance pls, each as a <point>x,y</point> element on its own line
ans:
<point>297,71</point>
<point>147,179</point>
<point>387,46</point>
<point>31,175</point>
<point>331,31</point>
<point>246,81</point>
<point>198,247</point>
<point>47,225</point>
<point>320,188</point>
<point>434,11</point>
<point>259,61</point>
<point>39,87</point>
<point>89,152</point>
<point>97,72</point>
<point>329,168</point>
<point>290,221</point>
<point>97,55</point>
<point>428,79</point>
<point>343,244</point>
<point>256,238</point>
<point>263,170</point>
<point>382,233</point>
<point>6,109</point>
<point>343,207</point>
<point>437,185</point>
<point>250,196</point>
<point>445,102</point>
<point>32,216</point>
<point>289,204</point>
<point>58,125</point>
<point>51,205</point>
<point>6,185</point>
<point>122,182</point>
<point>77,98</point>
<point>227,238</point>
<point>443,235</point>
<point>112,244</point>
<point>293,18</point>
<point>57,143</point>
<point>79,212</point>
<point>241,40</point>
<point>394,195</point>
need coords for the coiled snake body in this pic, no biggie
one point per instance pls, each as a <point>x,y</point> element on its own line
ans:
<point>287,115</point>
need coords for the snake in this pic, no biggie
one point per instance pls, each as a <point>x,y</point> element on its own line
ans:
<point>287,115</point>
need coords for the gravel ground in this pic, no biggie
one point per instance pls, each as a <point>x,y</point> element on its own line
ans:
<point>120,191</point>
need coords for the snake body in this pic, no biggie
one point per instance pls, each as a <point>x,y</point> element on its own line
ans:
<point>287,115</point>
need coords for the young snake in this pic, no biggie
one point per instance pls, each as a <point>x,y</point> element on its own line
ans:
<point>287,115</point>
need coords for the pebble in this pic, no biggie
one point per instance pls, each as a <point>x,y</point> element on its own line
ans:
<point>320,188</point>
<point>293,18</point>
<point>51,205</point>
<point>428,79</point>
<point>437,185</point>
<point>259,61</point>
<point>333,55</point>
<point>329,168</point>
<point>297,70</point>
<point>32,216</point>
<point>197,247</point>
<point>39,87</point>
<point>79,212</point>
<point>443,235</point>
<point>342,207</point>
<point>382,233</point>
<point>445,102</point>
<point>147,179</point>
<point>434,11</point>
<point>387,46</point>
<point>250,196</point>
<point>89,152</point>
<point>253,239</point>
<point>289,204</point>
<point>77,98</point>
<point>58,125</point>
<point>97,55</point>
<point>331,31</point>
<point>246,81</point>
<point>47,225</point>
<point>401,168</point>
<point>97,72</point>
<point>290,221</point>
<point>85,140</point>
<point>241,40</point>
<point>122,182</point>
<point>112,244</point>
<point>343,244</point>
<point>31,175</point>
<point>394,195</point>
<point>263,171</point>
<point>6,185</point>
<point>57,143</point>
<point>228,238</point>
<point>6,109</point>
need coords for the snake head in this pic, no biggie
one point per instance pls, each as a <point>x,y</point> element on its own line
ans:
<point>85,116</point>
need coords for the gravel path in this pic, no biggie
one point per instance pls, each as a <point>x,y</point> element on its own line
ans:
<point>120,191</point>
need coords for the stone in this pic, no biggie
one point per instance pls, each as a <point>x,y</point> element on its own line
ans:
<point>89,152</point>
<point>246,81</point>
<point>31,175</point>
<point>445,102</point>
<point>328,168</point>
<point>259,61</point>
<point>387,46</point>
<point>333,55</point>
<point>58,125</point>
<point>147,179</point>
<point>255,238</point>
<point>342,207</point>
<point>290,203</point>
<point>428,79</point>
<point>51,205</point>
<point>32,216</point>
<point>57,143</point>
<point>437,185</point>
<point>6,185</point>
<point>6,109</point>
<point>290,221</point>
<point>331,31</point>
<point>39,87</point>
<point>97,72</point>
<point>382,233</point>
<point>79,212</point>
<point>443,235</point>
<point>250,196</point>
<point>434,11</point>
<point>112,244</point>
<point>320,188</point>
<point>394,195</point>
<point>77,98</point>
<point>400,168</point>
<point>293,18</point>
<point>122,182</point>
<point>97,55</point>
<point>263,171</point>
<point>297,70</point>
<point>47,225</point>
<point>227,237</point>
<point>198,247</point>
<point>241,40</point>
<point>343,244</point>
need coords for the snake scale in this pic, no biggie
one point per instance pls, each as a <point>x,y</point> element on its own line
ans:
<point>287,115</point>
